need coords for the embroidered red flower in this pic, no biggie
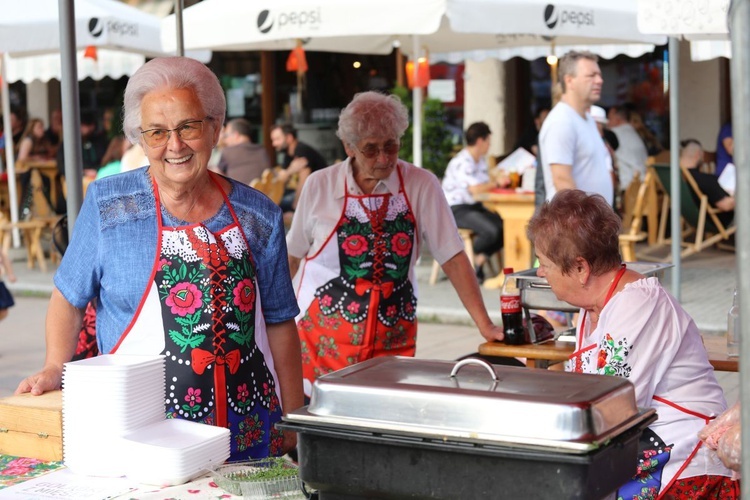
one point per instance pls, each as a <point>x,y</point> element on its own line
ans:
<point>184,298</point>
<point>602,360</point>
<point>353,308</point>
<point>354,245</point>
<point>244,295</point>
<point>326,300</point>
<point>390,311</point>
<point>193,396</point>
<point>20,466</point>
<point>401,244</point>
<point>243,393</point>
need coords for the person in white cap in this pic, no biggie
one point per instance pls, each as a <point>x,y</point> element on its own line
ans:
<point>572,152</point>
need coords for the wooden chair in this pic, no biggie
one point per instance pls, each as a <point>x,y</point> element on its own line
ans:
<point>629,197</point>
<point>36,226</point>
<point>269,185</point>
<point>31,232</point>
<point>699,220</point>
<point>467,235</point>
<point>633,219</point>
<point>86,181</point>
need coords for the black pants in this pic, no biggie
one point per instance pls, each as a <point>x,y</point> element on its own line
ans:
<point>287,200</point>
<point>487,227</point>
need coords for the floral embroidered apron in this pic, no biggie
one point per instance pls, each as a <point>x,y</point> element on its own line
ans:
<point>201,310</point>
<point>366,306</point>
<point>656,472</point>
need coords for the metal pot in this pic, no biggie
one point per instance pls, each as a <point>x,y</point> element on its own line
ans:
<point>407,428</point>
<point>537,294</point>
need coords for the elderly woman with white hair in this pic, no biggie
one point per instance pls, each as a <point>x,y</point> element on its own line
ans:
<point>185,263</point>
<point>355,240</point>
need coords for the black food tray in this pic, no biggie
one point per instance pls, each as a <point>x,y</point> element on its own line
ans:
<point>346,464</point>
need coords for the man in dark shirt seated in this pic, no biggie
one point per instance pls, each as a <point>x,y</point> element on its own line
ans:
<point>93,144</point>
<point>299,158</point>
<point>691,158</point>
<point>241,159</point>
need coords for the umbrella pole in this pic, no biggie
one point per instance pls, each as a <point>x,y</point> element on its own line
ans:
<point>178,26</point>
<point>674,160</point>
<point>71,107</point>
<point>10,160</point>
<point>416,94</point>
<point>739,22</point>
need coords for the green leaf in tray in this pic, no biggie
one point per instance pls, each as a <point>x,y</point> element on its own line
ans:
<point>272,475</point>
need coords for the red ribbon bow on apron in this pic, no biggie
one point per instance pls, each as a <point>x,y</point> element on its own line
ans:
<point>362,285</point>
<point>202,358</point>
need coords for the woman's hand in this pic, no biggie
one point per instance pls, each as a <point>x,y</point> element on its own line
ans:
<point>289,443</point>
<point>492,333</point>
<point>49,379</point>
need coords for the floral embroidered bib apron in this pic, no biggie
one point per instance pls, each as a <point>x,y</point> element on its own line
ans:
<point>659,463</point>
<point>201,310</point>
<point>366,305</point>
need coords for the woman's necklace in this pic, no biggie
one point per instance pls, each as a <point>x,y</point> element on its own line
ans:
<point>190,209</point>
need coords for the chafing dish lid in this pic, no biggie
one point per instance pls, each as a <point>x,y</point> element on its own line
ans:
<point>522,406</point>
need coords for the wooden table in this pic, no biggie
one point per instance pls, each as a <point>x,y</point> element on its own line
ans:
<point>551,352</point>
<point>14,471</point>
<point>515,209</point>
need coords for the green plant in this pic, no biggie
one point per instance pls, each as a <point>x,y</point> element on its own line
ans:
<point>271,469</point>
<point>437,145</point>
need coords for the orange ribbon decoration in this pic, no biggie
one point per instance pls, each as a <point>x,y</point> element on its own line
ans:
<point>362,285</point>
<point>202,358</point>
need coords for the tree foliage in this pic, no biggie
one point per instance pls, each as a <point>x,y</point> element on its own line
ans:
<point>437,144</point>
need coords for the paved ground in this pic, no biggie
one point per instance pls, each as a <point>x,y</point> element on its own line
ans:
<point>708,281</point>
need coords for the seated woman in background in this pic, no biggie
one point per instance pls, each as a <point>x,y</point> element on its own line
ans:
<point>631,327</point>
<point>34,144</point>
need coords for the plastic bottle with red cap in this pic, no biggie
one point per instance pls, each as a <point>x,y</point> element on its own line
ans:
<point>510,307</point>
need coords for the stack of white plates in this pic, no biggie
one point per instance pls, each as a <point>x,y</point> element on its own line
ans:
<point>104,398</point>
<point>173,451</point>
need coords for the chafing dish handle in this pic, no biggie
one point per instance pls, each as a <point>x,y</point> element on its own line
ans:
<point>474,361</point>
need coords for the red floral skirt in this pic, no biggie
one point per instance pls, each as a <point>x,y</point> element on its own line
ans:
<point>703,487</point>
<point>87,347</point>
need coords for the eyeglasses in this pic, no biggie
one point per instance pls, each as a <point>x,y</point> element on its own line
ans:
<point>371,151</point>
<point>188,131</point>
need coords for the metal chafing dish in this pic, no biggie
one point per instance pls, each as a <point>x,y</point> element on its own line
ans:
<point>537,294</point>
<point>407,428</point>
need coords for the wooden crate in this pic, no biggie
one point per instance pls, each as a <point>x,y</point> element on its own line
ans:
<point>31,426</point>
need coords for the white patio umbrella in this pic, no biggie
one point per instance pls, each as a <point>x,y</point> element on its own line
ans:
<point>705,50</point>
<point>38,28</point>
<point>109,63</point>
<point>362,26</point>
<point>34,28</point>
